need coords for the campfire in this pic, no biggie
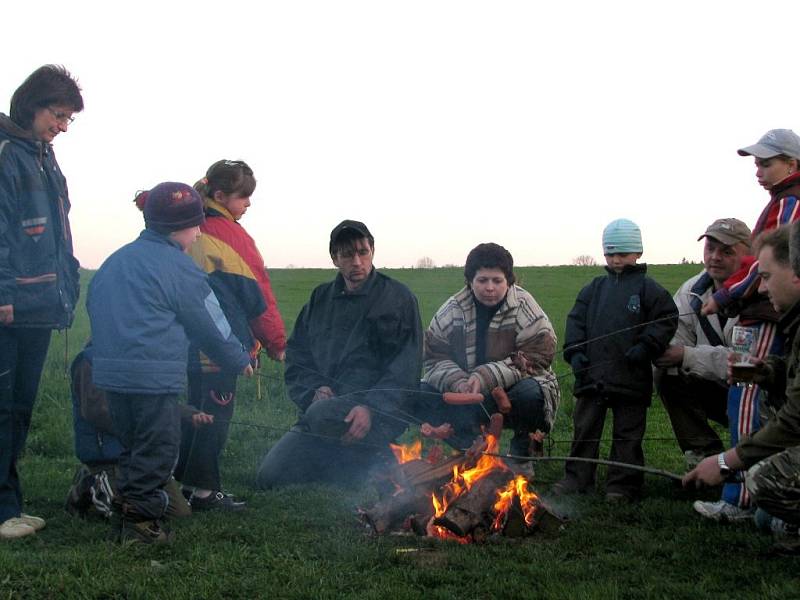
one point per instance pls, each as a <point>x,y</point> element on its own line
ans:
<point>467,498</point>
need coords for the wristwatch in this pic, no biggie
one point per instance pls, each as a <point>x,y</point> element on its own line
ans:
<point>724,469</point>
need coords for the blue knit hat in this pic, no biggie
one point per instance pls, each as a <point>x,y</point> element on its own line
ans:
<point>621,237</point>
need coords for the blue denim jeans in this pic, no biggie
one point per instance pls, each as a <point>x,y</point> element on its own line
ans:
<point>22,354</point>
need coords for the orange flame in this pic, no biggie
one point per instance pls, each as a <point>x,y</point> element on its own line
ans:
<point>517,487</point>
<point>464,480</point>
<point>403,454</point>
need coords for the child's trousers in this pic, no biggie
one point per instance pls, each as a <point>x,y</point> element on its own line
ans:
<point>629,424</point>
<point>148,426</point>
<point>212,393</point>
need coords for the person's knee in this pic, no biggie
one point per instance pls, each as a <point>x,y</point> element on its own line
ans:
<point>527,402</point>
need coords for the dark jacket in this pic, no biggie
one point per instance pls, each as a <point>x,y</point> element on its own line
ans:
<point>782,431</point>
<point>38,274</point>
<point>612,308</point>
<point>370,339</point>
<point>145,302</point>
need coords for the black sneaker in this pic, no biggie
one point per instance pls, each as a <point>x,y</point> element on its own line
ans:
<point>79,498</point>
<point>217,501</point>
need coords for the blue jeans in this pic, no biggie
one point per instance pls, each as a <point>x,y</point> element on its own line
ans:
<point>22,354</point>
<point>312,451</point>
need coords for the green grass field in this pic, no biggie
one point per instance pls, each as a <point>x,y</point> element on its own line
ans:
<point>306,542</point>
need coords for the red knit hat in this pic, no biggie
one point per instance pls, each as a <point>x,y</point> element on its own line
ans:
<point>173,206</point>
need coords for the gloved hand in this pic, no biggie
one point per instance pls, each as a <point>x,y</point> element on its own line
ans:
<point>579,362</point>
<point>637,355</point>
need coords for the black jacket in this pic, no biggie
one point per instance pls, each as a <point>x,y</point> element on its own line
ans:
<point>614,309</point>
<point>356,342</point>
<point>38,274</point>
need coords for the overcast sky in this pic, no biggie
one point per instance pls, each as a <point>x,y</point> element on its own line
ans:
<point>440,124</point>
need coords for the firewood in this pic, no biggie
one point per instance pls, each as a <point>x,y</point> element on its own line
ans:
<point>394,510</point>
<point>473,508</point>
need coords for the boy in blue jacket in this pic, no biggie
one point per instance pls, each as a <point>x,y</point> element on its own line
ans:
<point>620,323</point>
<point>145,303</point>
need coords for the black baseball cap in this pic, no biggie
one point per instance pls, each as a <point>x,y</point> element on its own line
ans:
<point>357,226</point>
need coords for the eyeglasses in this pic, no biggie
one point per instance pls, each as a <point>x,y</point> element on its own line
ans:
<point>62,118</point>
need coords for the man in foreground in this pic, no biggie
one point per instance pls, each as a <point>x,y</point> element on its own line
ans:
<point>352,364</point>
<point>772,455</point>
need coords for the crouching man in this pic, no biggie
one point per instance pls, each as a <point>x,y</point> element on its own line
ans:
<point>352,362</point>
<point>692,376</point>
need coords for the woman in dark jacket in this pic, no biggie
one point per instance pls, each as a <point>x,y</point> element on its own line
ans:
<point>38,274</point>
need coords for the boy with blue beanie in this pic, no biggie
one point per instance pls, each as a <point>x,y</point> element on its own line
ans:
<point>619,324</point>
<point>145,303</point>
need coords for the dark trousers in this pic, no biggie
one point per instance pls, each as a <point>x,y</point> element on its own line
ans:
<point>148,426</point>
<point>22,354</point>
<point>526,416</point>
<point>629,423</point>
<point>212,393</point>
<point>312,451</point>
<point>691,403</point>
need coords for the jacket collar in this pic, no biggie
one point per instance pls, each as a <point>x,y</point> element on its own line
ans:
<point>627,269</point>
<point>790,321</point>
<point>341,289</point>
<point>793,179</point>
<point>23,136</point>
<point>214,208</point>
<point>159,238</point>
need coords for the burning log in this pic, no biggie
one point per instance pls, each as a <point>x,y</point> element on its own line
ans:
<point>473,510</point>
<point>468,497</point>
<point>392,513</point>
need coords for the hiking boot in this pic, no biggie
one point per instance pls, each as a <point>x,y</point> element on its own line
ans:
<point>618,498</point>
<point>565,487</point>
<point>723,511</point>
<point>15,527</point>
<point>145,532</point>
<point>179,506</point>
<point>217,501</point>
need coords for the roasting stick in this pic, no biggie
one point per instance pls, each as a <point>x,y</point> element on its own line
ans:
<point>596,461</point>
<point>625,329</point>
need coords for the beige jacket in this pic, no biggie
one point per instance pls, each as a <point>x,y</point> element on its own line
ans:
<point>520,343</point>
<point>700,358</point>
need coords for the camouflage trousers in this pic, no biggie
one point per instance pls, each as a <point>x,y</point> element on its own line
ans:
<point>774,485</point>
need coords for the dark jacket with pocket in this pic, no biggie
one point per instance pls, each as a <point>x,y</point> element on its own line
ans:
<point>619,324</point>
<point>38,273</point>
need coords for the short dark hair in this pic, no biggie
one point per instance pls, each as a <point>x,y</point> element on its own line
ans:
<point>778,240</point>
<point>228,177</point>
<point>347,239</point>
<point>46,86</point>
<point>489,256</point>
<point>794,247</point>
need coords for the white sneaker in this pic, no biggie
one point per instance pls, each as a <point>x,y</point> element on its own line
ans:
<point>15,527</point>
<point>722,511</point>
<point>36,522</point>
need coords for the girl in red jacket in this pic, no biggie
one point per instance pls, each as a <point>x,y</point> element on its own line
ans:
<point>239,278</point>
